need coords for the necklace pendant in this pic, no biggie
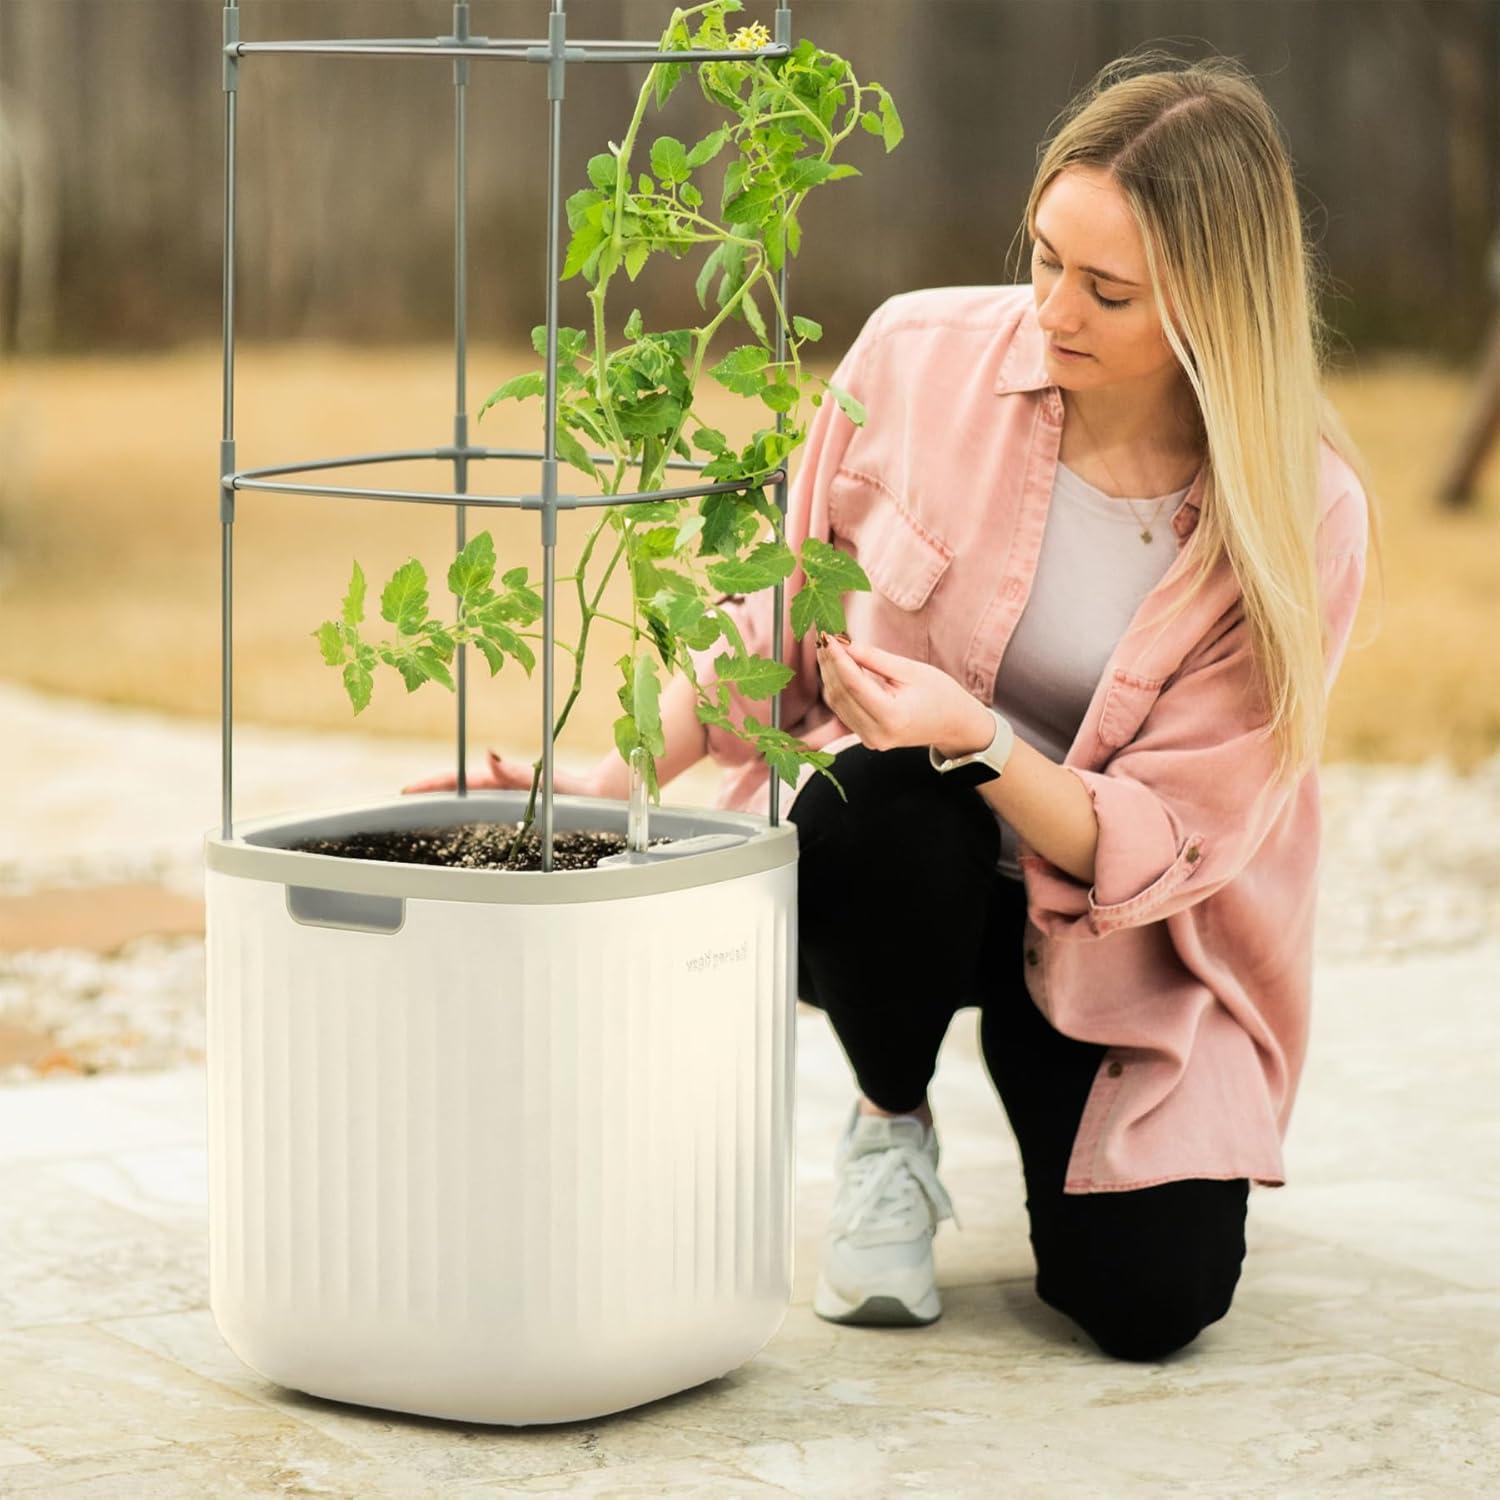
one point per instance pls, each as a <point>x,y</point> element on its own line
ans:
<point>1146,535</point>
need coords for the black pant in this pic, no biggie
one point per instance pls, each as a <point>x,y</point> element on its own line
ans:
<point>902,921</point>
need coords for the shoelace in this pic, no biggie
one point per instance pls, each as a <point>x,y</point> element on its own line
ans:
<point>884,1199</point>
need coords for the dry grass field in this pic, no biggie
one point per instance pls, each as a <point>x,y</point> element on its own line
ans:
<point>109,546</point>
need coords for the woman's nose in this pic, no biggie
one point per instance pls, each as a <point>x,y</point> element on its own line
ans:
<point>1059,314</point>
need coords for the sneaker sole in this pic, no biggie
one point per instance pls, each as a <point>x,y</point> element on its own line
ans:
<point>877,1312</point>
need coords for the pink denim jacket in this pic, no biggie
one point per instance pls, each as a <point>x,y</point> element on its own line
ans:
<point>1190,956</point>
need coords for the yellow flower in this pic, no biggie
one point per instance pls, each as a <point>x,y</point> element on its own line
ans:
<point>747,38</point>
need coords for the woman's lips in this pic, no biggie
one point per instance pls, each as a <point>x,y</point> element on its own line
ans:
<point>1068,353</point>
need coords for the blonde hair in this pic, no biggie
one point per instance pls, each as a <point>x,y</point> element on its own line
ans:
<point>1196,151</point>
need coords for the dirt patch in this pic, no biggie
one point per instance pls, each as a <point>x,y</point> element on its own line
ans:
<point>32,1051</point>
<point>96,919</point>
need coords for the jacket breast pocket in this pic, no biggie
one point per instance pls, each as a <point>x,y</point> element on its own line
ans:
<point>902,558</point>
<point>1127,701</point>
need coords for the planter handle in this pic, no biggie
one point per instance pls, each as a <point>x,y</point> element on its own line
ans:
<point>353,910</point>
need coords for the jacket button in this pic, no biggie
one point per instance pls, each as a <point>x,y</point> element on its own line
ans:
<point>1192,854</point>
<point>1031,957</point>
<point>1115,1069</point>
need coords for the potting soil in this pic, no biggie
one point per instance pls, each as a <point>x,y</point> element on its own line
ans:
<point>474,846</point>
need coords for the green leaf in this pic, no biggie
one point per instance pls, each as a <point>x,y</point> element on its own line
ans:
<point>708,148</point>
<point>581,205</point>
<point>354,600</point>
<point>492,653</point>
<point>808,173</point>
<point>626,737</point>
<point>669,159</point>
<point>633,324</point>
<point>765,565</point>
<point>830,574</point>
<point>635,257</point>
<point>687,531</point>
<point>742,369</point>
<point>647,705</point>
<point>756,676</point>
<point>779,396</point>
<point>706,275</point>
<point>534,383</point>
<point>847,403</point>
<point>571,342</point>
<point>775,242</point>
<point>668,75</point>
<point>404,599</point>
<point>588,240</point>
<point>751,309</point>
<point>604,170</point>
<point>806,328</point>
<point>357,683</point>
<point>432,664</point>
<point>890,123</point>
<point>509,642</point>
<point>570,450</point>
<point>751,206</point>
<point>330,642</point>
<point>473,569</point>
<point>602,260</point>
<point>822,562</point>
<point>655,541</point>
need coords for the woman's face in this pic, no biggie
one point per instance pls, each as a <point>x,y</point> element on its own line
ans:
<point>1088,271</point>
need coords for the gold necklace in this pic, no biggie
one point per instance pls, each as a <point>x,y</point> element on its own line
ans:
<point>1099,454</point>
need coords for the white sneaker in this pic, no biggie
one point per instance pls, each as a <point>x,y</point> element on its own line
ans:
<point>877,1252</point>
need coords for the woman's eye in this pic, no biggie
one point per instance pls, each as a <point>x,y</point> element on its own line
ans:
<point>1109,302</point>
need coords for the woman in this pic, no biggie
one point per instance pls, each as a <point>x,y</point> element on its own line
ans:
<point>1117,540</point>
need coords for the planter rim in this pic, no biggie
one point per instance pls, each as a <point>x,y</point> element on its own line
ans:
<point>256,851</point>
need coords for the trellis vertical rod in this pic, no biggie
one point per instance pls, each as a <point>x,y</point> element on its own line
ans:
<point>460,353</point>
<point>782,34</point>
<point>227,463</point>
<point>556,39</point>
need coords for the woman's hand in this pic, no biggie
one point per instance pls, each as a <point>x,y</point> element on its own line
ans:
<point>890,700</point>
<point>510,773</point>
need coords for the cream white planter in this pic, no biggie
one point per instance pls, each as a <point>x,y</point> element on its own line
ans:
<point>500,1147</point>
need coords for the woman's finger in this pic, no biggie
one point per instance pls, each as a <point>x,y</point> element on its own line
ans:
<point>431,784</point>
<point>866,689</point>
<point>887,664</point>
<point>841,700</point>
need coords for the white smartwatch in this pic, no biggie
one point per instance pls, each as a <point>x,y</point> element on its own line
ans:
<point>986,764</point>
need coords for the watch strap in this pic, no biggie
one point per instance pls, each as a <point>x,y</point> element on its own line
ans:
<point>978,766</point>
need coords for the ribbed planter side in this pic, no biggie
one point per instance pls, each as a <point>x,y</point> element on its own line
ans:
<point>510,1163</point>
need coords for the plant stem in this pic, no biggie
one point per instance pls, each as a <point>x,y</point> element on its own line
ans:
<point>589,612</point>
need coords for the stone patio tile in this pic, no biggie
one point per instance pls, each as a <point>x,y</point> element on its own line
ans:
<point>68,1256</point>
<point>67,1118</point>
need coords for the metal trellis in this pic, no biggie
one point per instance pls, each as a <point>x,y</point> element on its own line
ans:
<point>463,48</point>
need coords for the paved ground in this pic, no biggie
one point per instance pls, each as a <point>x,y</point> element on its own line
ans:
<point>1361,1357</point>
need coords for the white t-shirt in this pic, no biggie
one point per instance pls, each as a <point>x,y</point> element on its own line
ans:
<point>1093,572</point>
